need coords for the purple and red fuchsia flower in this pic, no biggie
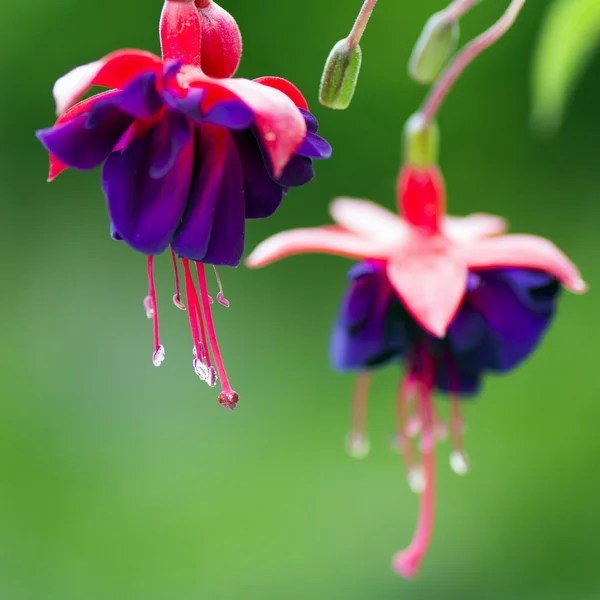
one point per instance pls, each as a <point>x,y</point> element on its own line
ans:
<point>188,155</point>
<point>450,299</point>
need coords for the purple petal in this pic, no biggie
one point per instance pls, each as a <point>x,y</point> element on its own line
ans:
<point>299,171</point>
<point>83,147</point>
<point>312,125</point>
<point>146,201</point>
<point>140,99</point>
<point>212,229</point>
<point>262,194</point>
<point>232,114</point>
<point>226,245</point>
<point>366,334</point>
<point>315,146</point>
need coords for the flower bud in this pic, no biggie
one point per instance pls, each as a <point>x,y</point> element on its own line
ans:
<point>340,75</point>
<point>434,47</point>
<point>221,40</point>
<point>421,142</point>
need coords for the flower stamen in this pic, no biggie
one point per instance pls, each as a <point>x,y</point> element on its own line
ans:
<point>407,562</point>
<point>201,363</point>
<point>177,297</point>
<point>221,296</point>
<point>151,308</point>
<point>228,397</point>
<point>459,462</point>
<point>357,442</point>
<point>414,471</point>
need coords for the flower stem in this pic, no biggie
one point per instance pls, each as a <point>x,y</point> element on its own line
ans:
<point>464,58</point>
<point>361,23</point>
<point>458,8</point>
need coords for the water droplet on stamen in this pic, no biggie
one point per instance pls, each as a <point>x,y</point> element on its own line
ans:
<point>178,303</point>
<point>149,307</point>
<point>357,445</point>
<point>212,377</point>
<point>222,300</point>
<point>201,369</point>
<point>158,357</point>
<point>459,462</point>
<point>416,480</point>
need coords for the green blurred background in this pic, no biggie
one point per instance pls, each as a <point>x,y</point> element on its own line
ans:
<point>122,481</point>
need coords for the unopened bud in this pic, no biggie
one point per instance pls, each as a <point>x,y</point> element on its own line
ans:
<point>221,40</point>
<point>421,142</point>
<point>340,75</point>
<point>434,47</point>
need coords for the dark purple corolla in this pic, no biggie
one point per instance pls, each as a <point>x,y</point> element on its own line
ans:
<point>187,158</point>
<point>500,321</point>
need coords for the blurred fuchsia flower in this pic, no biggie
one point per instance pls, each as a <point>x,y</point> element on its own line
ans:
<point>451,298</point>
<point>188,154</point>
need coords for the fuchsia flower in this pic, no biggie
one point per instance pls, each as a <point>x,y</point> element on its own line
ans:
<point>450,297</point>
<point>187,157</point>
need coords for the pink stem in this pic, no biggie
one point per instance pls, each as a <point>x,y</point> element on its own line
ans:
<point>464,58</point>
<point>152,294</point>
<point>212,336</point>
<point>361,23</point>
<point>458,8</point>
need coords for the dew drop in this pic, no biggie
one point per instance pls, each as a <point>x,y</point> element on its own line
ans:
<point>357,445</point>
<point>149,307</point>
<point>212,377</point>
<point>158,357</point>
<point>201,369</point>
<point>416,480</point>
<point>459,462</point>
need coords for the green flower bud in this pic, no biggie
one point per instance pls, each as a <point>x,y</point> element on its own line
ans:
<point>434,47</point>
<point>421,142</point>
<point>340,76</point>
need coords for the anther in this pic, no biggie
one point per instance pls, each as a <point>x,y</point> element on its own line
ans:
<point>221,296</point>
<point>229,399</point>
<point>177,297</point>
<point>357,445</point>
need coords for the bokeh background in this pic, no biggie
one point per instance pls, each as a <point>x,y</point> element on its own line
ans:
<point>122,481</point>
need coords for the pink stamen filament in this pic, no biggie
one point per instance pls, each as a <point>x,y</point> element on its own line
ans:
<point>194,311</point>
<point>152,294</point>
<point>177,297</point>
<point>403,407</point>
<point>221,296</point>
<point>458,458</point>
<point>407,562</point>
<point>228,396</point>
<point>357,444</point>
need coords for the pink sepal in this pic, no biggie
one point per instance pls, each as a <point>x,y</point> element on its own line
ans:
<point>526,252</point>
<point>114,70</point>
<point>326,240</point>
<point>431,282</point>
